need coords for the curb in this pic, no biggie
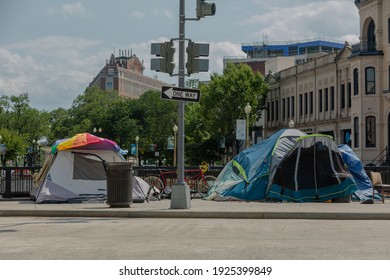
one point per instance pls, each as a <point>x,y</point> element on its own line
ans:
<point>196,215</point>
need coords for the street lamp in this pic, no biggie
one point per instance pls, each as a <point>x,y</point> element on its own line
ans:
<point>136,149</point>
<point>291,124</point>
<point>33,153</point>
<point>97,130</point>
<point>175,128</point>
<point>248,110</point>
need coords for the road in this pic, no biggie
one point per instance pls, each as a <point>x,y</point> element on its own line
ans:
<point>35,238</point>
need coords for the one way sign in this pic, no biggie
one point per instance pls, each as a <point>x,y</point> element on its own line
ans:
<point>184,94</point>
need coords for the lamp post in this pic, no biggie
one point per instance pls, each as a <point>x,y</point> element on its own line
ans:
<point>97,130</point>
<point>175,128</point>
<point>1,151</point>
<point>33,153</point>
<point>136,149</point>
<point>291,124</point>
<point>248,110</point>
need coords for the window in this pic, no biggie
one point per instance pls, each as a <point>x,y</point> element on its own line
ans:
<point>388,30</point>
<point>277,109</point>
<point>268,111</point>
<point>300,105</point>
<point>388,88</point>
<point>88,167</point>
<point>288,107</point>
<point>292,106</point>
<point>370,131</point>
<point>311,102</point>
<point>349,92</point>
<point>342,101</point>
<point>326,100</point>
<point>356,132</point>
<point>306,104</point>
<point>355,81</point>
<point>284,108</point>
<point>371,40</point>
<point>370,80</point>
<point>320,100</point>
<point>332,98</point>
<point>272,111</point>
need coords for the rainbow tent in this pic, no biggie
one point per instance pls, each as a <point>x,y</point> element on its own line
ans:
<point>75,171</point>
<point>85,141</point>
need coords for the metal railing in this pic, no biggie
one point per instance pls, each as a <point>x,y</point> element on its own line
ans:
<point>145,171</point>
<point>383,156</point>
<point>17,181</point>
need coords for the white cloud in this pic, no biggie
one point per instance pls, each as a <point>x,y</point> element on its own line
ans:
<point>137,15</point>
<point>164,13</point>
<point>52,70</point>
<point>69,11</point>
<point>323,19</point>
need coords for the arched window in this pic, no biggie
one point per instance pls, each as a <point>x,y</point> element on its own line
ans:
<point>355,81</point>
<point>356,132</point>
<point>371,40</point>
<point>370,131</point>
<point>370,80</point>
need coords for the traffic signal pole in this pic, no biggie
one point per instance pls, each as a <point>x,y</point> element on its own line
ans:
<point>181,197</point>
<point>181,83</point>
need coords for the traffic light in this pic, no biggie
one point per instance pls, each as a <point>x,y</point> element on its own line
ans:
<point>204,9</point>
<point>164,52</point>
<point>194,63</point>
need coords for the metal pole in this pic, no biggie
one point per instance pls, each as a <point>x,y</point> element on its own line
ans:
<point>180,197</point>
<point>247,131</point>
<point>180,151</point>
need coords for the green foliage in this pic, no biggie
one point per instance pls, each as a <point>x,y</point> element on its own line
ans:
<point>14,144</point>
<point>150,118</point>
<point>222,102</point>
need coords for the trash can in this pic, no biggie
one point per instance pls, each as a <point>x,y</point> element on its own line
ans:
<point>119,184</point>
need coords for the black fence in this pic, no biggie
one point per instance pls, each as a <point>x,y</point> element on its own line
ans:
<point>17,181</point>
<point>145,171</point>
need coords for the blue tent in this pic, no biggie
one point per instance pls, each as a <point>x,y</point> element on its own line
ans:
<point>246,177</point>
<point>360,176</point>
<point>288,166</point>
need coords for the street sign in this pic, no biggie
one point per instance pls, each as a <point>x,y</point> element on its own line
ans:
<point>184,94</point>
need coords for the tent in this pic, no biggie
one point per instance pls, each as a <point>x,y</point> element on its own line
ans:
<point>288,166</point>
<point>75,171</point>
<point>312,170</point>
<point>246,177</point>
<point>355,167</point>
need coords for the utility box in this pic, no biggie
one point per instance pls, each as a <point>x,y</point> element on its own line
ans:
<point>119,184</point>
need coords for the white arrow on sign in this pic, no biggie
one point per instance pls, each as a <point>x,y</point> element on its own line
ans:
<point>184,94</point>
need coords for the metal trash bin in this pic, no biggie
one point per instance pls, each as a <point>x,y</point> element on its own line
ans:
<point>119,184</point>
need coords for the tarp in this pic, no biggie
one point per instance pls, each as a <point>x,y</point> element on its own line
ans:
<point>355,167</point>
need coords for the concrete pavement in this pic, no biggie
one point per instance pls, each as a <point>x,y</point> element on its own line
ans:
<point>202,209</point>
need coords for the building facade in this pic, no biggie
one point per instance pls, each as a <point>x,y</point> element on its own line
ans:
<point>125,75</point>
<point>286,54</point>
<point>344,94</point>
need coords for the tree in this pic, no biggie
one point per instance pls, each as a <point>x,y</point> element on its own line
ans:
<point>157,118</point>
<point>224,99</point>
<point>14,145</point>
<point>89,109</point>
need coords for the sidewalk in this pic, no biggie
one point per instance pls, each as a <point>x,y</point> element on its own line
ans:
<point>202,209</point>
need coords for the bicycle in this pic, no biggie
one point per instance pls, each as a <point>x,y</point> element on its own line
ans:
<point>161,185</point>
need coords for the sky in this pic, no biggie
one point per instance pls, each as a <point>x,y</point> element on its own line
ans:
<point>52,50</point>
